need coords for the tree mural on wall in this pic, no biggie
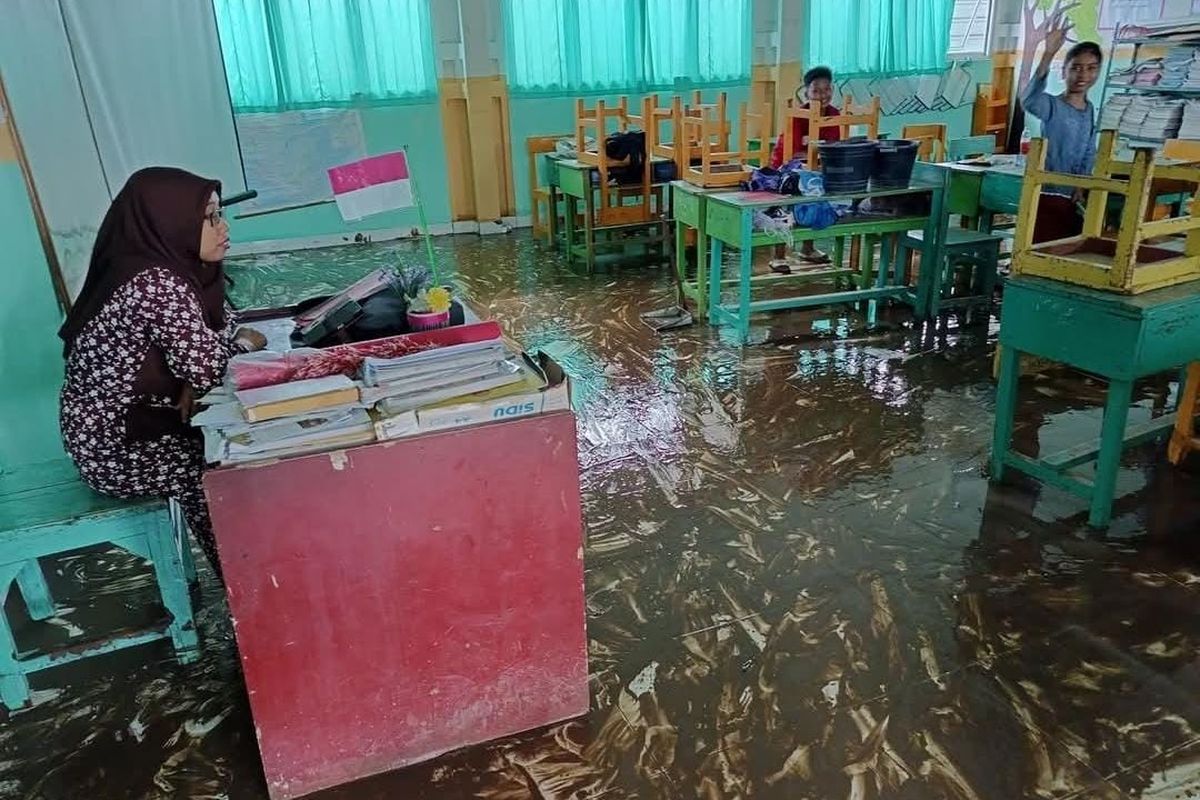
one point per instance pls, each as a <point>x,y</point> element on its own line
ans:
<point>1040,17</point>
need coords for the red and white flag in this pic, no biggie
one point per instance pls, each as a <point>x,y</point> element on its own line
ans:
<point>372,185</point>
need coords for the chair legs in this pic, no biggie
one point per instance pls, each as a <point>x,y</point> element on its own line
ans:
<point>14,686</point>
<point>167,542</point>
<point>32,584</point>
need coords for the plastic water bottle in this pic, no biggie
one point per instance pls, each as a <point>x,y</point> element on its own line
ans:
<point>1024,149</point>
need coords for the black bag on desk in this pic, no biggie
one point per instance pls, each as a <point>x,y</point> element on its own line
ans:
<point>383,314</point>
<point>627,145</point>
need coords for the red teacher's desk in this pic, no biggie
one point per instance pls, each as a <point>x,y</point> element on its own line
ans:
<point>405,598</point>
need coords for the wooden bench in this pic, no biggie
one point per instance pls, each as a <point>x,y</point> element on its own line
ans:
<point>46,510</point>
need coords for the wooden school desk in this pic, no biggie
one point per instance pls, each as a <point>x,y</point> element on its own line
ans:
<point>729,221</point>
<point>578,182</point>
<point>405,598</point>
<point>1120,338</point>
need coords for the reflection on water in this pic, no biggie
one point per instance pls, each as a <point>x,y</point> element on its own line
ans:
<point>799,582</point>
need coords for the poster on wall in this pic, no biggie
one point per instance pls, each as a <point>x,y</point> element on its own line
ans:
<point>1114,13</point>
<point>288,155</point>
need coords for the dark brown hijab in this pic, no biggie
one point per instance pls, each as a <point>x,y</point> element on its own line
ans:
<point>155,221</point>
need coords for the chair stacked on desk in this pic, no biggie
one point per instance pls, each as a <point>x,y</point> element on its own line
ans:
<point>708,159</point>
<point>1129,264</point>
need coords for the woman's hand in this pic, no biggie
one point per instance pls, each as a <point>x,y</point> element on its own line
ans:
<point>249,340</point>
<point>186,403</point>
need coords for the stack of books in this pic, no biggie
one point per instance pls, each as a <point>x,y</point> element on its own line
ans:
<point>439,381</point>
<point>1113,110</point>
<point>1181,69</point>
<point>282,420</point>
<point>432,376</point>
<point>1144,73</point>
<point>1189,124</point>
<point>1152,118</point>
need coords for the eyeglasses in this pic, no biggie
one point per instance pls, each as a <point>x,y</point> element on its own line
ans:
<point>215,218</point>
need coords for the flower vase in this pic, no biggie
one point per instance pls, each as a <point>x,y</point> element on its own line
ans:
<point>428,320</point>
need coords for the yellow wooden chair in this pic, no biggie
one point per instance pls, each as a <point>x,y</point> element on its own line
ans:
<point>542,196</point>
<point>931,140</point>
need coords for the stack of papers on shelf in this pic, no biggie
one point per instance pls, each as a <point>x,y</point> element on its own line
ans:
<point>282,420</point>
<point>1181,69</point>
<point>1189,125</point>
<point>1151,118</point>
<point>1113,110</point>
<point>1143,73</point>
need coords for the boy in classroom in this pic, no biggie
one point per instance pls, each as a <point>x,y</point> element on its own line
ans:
<point>1069,128</point>
<point>818,88</point>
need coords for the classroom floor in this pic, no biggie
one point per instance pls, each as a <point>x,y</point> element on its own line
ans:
<point>799,583</point>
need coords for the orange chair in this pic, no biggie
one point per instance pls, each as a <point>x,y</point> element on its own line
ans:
<point>931,140</point>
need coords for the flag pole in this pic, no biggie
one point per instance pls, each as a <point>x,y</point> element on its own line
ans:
<point>412,176</point>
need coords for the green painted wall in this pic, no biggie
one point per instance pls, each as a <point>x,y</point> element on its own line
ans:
<point>386,128</point>
<point>30,355</point>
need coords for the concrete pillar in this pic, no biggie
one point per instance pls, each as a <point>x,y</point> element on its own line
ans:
<point>775,71</point>
<point>474,100</point>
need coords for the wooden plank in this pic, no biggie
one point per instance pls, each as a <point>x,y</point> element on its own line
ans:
<point>1148,431</point>
<point>1079,486</point>
<point>1125,258</point>
<point>1168,227</point>
<point>831,298</point>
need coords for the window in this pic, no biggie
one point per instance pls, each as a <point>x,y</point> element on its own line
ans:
<point>292,54</point>
<point>556,46</point>
<point>970,27</point>
<point>871,38</point>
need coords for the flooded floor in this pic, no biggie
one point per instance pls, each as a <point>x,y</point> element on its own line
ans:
<point>800,584</point>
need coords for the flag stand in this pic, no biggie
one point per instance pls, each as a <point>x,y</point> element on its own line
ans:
<point>424,222</point>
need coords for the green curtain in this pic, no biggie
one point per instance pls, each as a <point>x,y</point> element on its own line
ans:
<point>286,54</point>
<point>560,46</point>
<point>878,37</point>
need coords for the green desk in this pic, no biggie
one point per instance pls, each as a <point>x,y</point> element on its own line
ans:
<point>1114,336</point>
<point>577,182</point>
<point>688,206</point>
<point>980,193</point>
<point>729,221</point>
<point>548,173</point>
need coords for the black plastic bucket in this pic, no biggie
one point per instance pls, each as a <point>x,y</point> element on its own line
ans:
<point>894,161</point>
<point>847,165</point>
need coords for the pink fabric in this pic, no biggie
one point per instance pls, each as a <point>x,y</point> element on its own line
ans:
<point>251,373</point>
<point>371,171</point>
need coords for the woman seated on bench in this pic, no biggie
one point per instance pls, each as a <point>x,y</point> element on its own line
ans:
<point>149,332</point>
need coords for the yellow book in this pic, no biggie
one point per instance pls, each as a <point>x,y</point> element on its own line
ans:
<point>297,397</point>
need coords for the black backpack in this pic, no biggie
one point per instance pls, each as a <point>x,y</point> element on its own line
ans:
<point>627,145</point>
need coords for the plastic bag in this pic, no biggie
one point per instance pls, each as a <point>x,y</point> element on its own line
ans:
<point>817,216</point>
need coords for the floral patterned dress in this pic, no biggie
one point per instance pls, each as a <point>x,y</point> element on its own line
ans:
<point>155,308</point>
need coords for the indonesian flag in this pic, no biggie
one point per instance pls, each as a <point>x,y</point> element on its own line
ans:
<point>372,185</point>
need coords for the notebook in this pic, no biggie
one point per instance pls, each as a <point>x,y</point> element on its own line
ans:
<point>297,397</point>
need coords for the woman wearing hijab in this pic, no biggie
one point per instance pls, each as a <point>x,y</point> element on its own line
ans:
<point>149,332</point>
